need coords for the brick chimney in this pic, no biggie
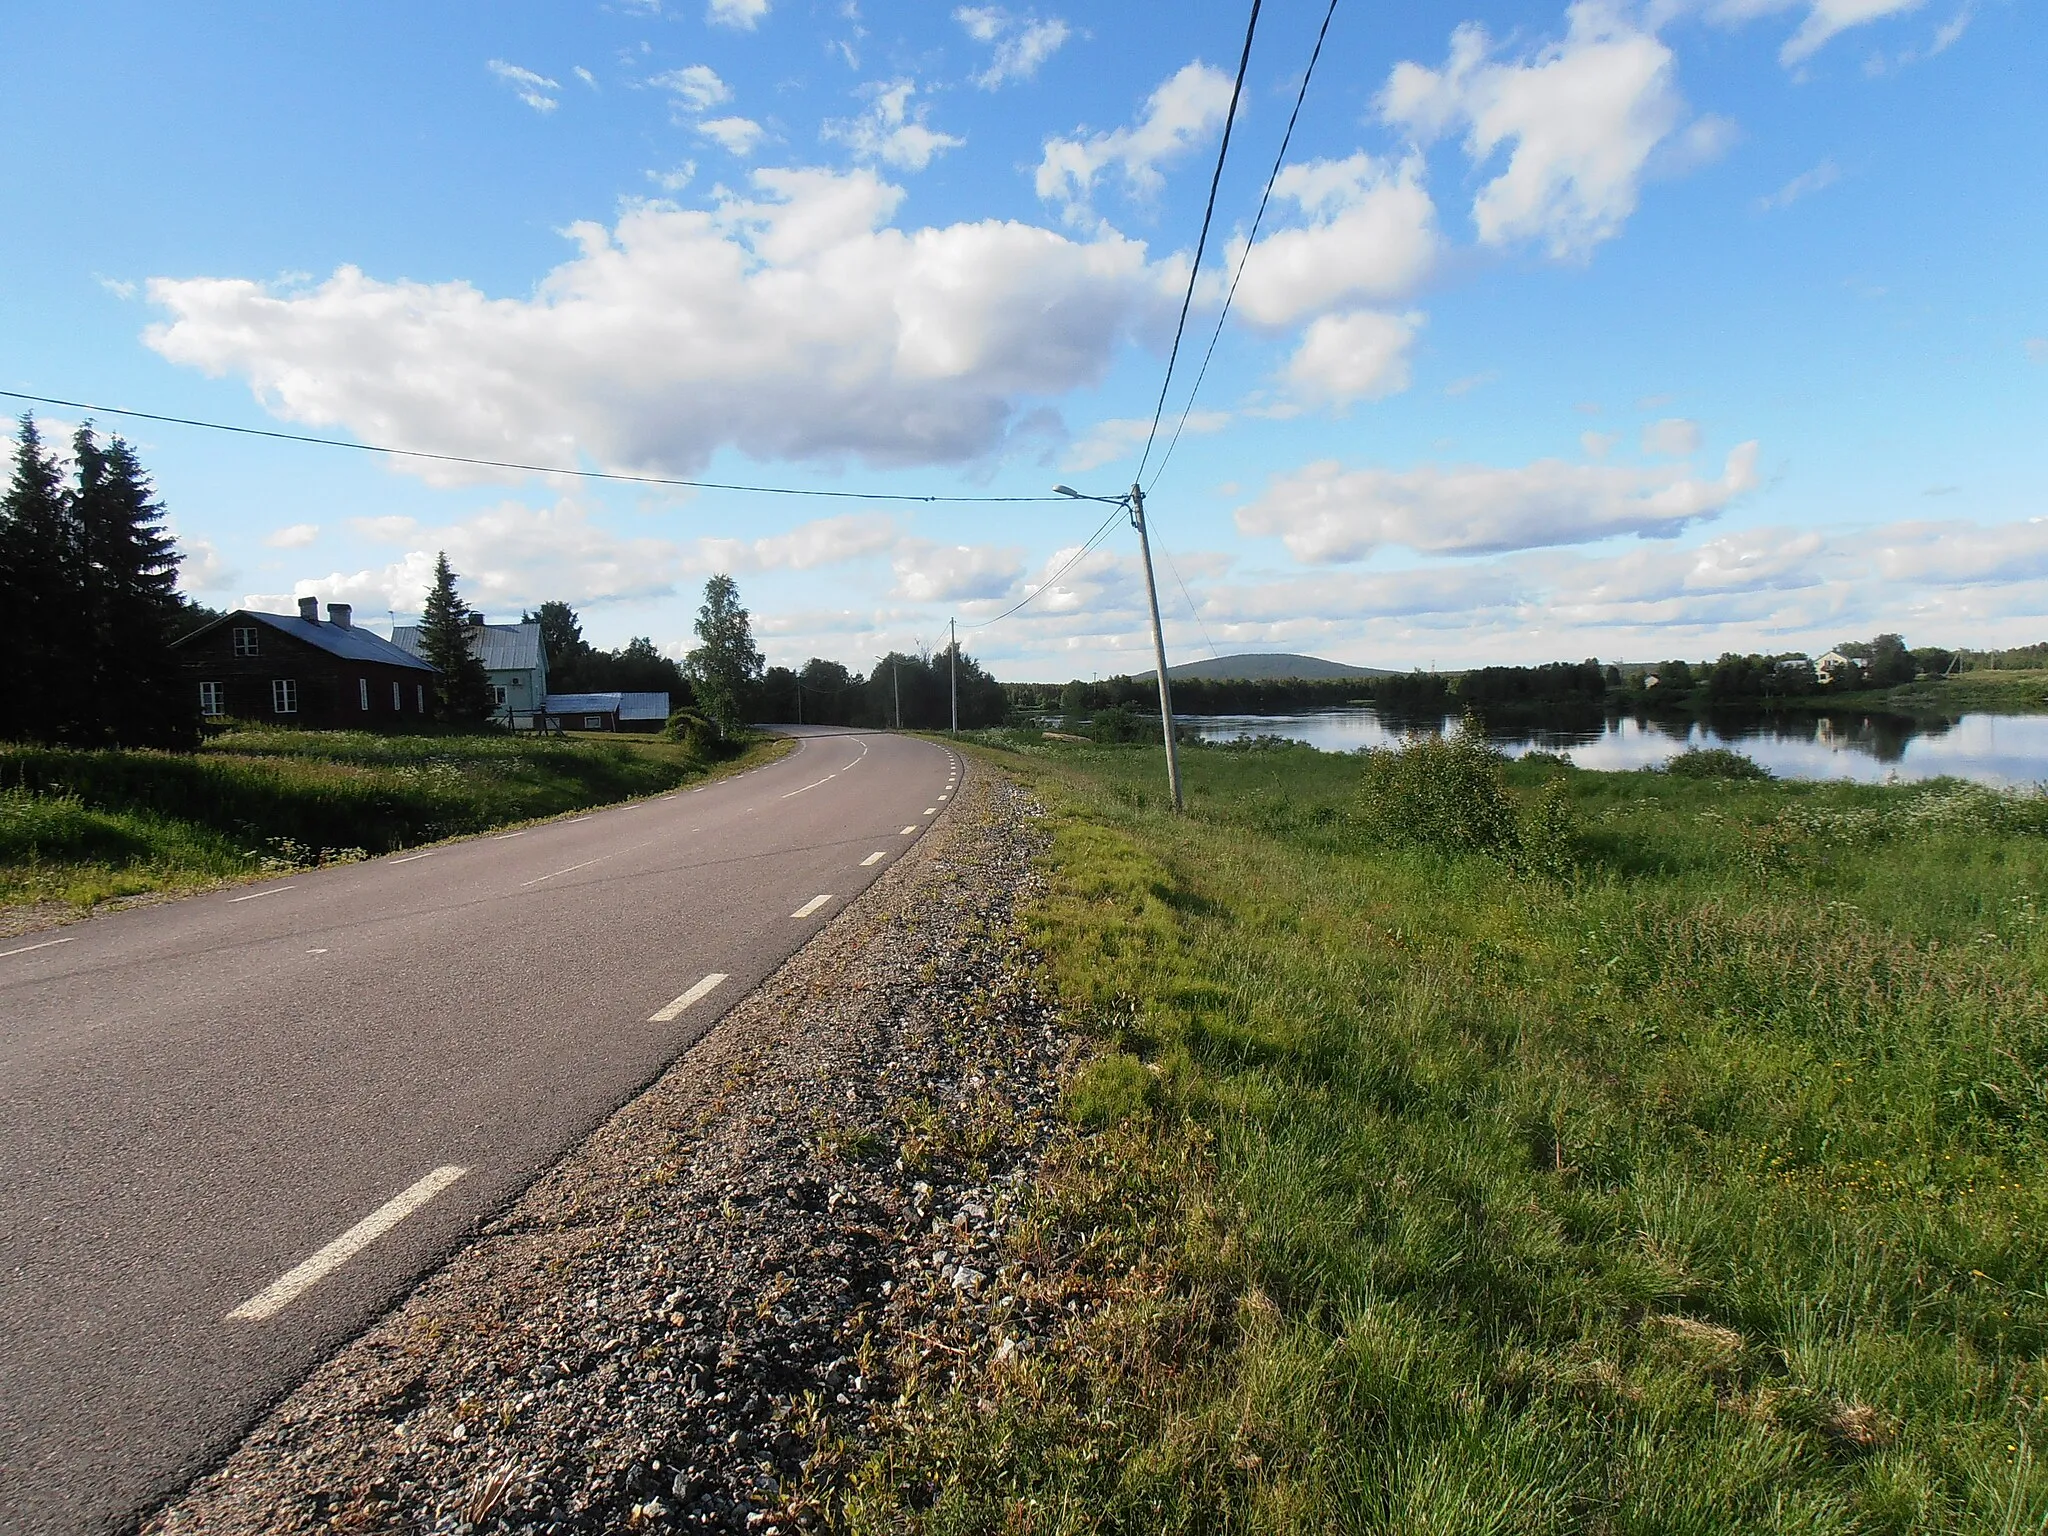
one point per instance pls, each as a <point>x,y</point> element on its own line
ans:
<point>338,614</point>
<point>309,609</point>
<point>476,620</point>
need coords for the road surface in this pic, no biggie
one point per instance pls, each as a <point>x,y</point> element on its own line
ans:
<point>239,1126</point>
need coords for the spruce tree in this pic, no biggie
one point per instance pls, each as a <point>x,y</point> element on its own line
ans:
<point>41,624</point>
<point>725,667</point>
<point>135,695</point>
<point>462,692</point>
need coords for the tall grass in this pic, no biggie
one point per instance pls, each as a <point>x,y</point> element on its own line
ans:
<point>1691,1182</point>
<point>85,826</point>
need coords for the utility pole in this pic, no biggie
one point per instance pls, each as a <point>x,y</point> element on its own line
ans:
<point>1158,650</point>
<point>953,647</point>
<point>896,683</point>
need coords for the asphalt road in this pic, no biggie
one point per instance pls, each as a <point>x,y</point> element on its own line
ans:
<point>354,1067</point>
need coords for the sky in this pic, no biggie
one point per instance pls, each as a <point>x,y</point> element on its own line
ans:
<point>1622,330</point>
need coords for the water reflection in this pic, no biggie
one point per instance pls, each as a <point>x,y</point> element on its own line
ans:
<point>1867,747</point>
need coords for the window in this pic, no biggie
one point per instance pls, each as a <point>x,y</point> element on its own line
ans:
<point>284,696</point>
<point>210,701</point>
<point>593,722</point>
<point>419,696</point>
<point>363,691</point>
<point>397,698</point>
<point>245,640</point>
<point>498,695</point>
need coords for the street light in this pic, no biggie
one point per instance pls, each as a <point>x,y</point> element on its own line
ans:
<point>1133,502</point>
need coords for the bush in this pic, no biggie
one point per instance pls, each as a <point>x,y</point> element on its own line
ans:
<point>1440,793</point>
<point>693,731</point>
<point>1114,725</point>
<point>1715,763</point>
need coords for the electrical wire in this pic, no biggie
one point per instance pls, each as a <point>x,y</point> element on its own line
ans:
<point>532,469</point>
<point>1188,597</point>
<point>1202,242</point>
<point>1245,255</point>
<point>1053,580</point>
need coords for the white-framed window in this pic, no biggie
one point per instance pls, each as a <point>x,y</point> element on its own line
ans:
<point>419,697</point>
<point>284,696</point>
<point>397,698</point>
<point>498,695</point>
<point>593,722</point>
<point>211,699</point>
<point>245,639</point>
<point>363,691</point>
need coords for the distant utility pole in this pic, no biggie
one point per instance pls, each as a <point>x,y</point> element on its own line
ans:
<point>896,683</point>
<point>1133,502</point>
<point>953,649</point>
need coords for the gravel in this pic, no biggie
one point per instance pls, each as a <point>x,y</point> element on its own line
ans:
<point>688,1322</point>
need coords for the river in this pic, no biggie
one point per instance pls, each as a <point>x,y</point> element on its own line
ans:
<point>1990,749</point>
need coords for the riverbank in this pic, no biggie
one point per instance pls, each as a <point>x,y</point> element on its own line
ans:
<point>1519,1147</point>
<point>80,829</point>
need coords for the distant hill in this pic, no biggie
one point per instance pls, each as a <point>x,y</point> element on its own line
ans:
<point>1266,666</point>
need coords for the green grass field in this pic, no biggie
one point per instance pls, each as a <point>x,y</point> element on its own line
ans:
<point>2013,693</point>
<point>1513,1149</point>
<point>84,827</point>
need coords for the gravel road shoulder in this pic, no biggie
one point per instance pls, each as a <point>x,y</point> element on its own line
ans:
<point>728,1274</point>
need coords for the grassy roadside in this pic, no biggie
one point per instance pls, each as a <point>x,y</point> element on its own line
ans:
<point>1628,1152</point>
<point>79,828</point>
<point>2005,693</point>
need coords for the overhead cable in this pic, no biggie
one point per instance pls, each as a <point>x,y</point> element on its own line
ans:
<point>1053,580</point>
<point>1245,255</point>
<point>1202,242</point>
<point>531,469</point>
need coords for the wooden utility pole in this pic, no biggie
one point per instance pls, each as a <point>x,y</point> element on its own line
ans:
<point>953,637</point>
<point>1158,649</point>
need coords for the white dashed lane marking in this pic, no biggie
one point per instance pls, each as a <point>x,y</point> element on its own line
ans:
<point>811,906</point>
<point>411,857</point>
<point>907,831</point>
<point>259,895</point>
<point>293,1283</point>
<point>47,943</point>
<point>873,858</point>
<point>696,994</point>
<point>569,871</point>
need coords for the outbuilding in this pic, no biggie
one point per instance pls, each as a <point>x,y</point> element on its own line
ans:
<point>607,711</point>
<point>248,665</point>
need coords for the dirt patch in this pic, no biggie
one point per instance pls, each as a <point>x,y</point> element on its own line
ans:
<point>733,1271</point>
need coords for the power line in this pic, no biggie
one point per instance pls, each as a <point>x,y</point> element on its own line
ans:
<point>531,469</point>
<point>1193,612</point>
<point>1053,580</point>
<point>1202,242</point>
<point>1245,255</point>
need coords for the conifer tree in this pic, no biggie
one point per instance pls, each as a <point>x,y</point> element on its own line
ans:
<point>725,667</point>
<point>40,625</point>
<point>130,604</point>
<point>462,692</point>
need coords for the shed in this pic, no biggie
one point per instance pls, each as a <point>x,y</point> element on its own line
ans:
<point>608,711</point>
<point>249,665</point>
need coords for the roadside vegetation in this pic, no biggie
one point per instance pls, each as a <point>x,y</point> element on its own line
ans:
<point>1479,1146</point>
<point>82,827</point>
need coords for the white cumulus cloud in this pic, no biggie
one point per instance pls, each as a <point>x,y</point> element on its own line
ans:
<point>1123,438</point>
<point>740,15</point>
<point>892,129</point>
<point>1327,514</point>
<point>825,541</point>
<point>1358,355</point>
<point>536,90</point>
<point>792,324</point>
<point>1370,234</point>
<point>735,135</point>
<point>295,536</point>
<point>1179,115</point>
<point>938,573</point>
<point>1579,120</point>
<point>695,86</point>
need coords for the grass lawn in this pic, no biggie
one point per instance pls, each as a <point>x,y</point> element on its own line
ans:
<point>84,827</point>
<point>2005,693</point>
<point>1518,1148</point>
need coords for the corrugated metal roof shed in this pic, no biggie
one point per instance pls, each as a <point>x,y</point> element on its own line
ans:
<point>500,647</point>
<point>336,639</point>
<point>627,706</point>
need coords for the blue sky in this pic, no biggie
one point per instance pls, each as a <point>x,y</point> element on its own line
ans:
<point>1621,330</point>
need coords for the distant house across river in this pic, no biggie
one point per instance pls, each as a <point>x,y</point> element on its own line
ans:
<point>511,653</point>
<point>248,665</point>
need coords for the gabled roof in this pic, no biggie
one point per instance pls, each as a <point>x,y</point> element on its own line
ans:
<point>500,647</point>
<point>628,706</point>
<point>343,640</point>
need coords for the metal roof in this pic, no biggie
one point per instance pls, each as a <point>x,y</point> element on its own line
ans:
<point>343,640</point>
<point>500,647</point>
<point>627,706</point>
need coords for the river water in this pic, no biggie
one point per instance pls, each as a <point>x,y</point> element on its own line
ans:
<point>1991,749</point>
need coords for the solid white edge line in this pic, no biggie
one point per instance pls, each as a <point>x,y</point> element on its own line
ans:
<point>696,994</point>
<point>873,858</point>
<point>254,895</point>
<point>810,906</point>
<point>295,1282</point>
<point>4,953</point>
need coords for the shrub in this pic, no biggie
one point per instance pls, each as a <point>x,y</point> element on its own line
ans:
<point>1714,763</point>
<point>693,731</point>
<point>1113,725</point>
<point>1443,793</point>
